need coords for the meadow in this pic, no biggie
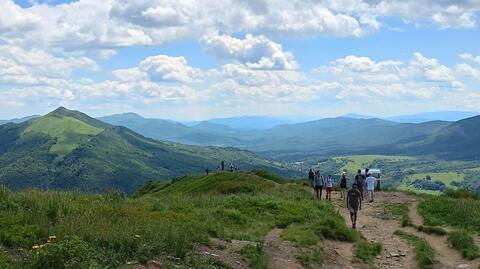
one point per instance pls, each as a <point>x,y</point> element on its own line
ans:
<point>50,229</point>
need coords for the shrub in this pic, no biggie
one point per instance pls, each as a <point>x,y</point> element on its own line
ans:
<point>464,243</point>
<point>461,193</point>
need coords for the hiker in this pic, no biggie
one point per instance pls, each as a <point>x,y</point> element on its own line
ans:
<point>311,177</point>
<point>207,171</point>
<point>359,181</point>
<point>318,184</point>
<point>231,167</point>
<point>329,185</point>
<point>354,203</point>
<point>223,165</point>
<point>367,171</point>
<point>343,185</point>
<point>371,180</point>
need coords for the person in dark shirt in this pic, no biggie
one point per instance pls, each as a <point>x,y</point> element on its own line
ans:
<point>343,185</point>
<point>311,177</point>
<point>354,203</point>
<point>360,181</point>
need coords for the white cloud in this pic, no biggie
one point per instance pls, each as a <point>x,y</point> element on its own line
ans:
<point>468,70</point>
<point>470,57</point>
<point>20,66</point>
<point>160,68</point>
<point>107,25</point>
<point>432,70</point>
<point>256,52</point>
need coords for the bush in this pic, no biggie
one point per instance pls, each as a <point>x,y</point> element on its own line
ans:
<point>461,193</point>
<point>464,243</point>
<point>335,229</point>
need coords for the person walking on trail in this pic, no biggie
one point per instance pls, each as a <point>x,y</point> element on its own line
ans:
<point>359,181</point>
<point>343,185</point>
<point>354,203</point>
<point>329,185</point>
<point>318,184</point>
<point>311,177</point>
<point>371,180</point>
<point>223,165</point>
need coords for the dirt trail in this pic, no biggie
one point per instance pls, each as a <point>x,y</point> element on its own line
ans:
<point>396,253</point>
<point>339,255</point>
<point>281,253</point>
<point>447,257</point>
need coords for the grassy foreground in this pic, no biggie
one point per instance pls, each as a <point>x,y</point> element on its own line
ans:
<point>167,220</point>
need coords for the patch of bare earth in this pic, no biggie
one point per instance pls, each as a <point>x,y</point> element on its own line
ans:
<point>226,252</point>
<point>339,255</point>
<point>396,253</point>
<point>281,253</point>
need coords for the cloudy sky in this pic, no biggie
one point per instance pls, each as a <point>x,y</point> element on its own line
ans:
<point>199,59</point>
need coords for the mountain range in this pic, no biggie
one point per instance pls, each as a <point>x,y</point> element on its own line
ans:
<point>67,149</point>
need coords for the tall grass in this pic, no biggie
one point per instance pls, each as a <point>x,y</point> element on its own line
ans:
<point>112,229</point>
<point>464,243</point>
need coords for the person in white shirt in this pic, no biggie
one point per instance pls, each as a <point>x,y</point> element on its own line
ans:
<point>371,180</point>
<point>329,185</point>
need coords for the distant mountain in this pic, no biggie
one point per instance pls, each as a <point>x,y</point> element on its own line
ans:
<point>251,122</point>
<point>324,136</point>
<point>459,140</point>
<point>431,116</point>
<point>67,149</point>
<point>19,120</point>
<point>356,116</point>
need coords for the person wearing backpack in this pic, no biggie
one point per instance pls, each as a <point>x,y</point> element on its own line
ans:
<point>318,183</point>
<point>360,181</point>
<point>311,177</point>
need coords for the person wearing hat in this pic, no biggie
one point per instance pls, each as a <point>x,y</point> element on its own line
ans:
<point>354,203</point>
<point>343,185</point>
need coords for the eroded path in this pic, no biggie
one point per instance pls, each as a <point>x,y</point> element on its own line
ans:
<point>373,225</point>
<point>281,253</point>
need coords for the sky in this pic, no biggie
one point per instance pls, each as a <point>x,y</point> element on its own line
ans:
<point>192,60</point>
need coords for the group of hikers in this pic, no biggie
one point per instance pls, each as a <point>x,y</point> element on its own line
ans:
<point>221,167</point>
<point>364,184</point>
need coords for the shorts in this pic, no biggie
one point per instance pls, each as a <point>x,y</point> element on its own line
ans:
<point>352,209</point>
<point>318,188</point>
<point>329,189</point>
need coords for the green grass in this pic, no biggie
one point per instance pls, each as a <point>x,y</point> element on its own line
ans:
<point>168,223</point>
<point>398,211</point>
<point>464,243</point>
<point>445,177</point>
<point>432,230</point>
<point>66,131</point>
<point>425,255</point>
<point>366,251</point>
<point>355,162</point>
<point>255,255</point>
<point>444,210</point>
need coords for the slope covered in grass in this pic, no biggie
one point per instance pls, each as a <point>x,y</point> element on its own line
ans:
<point>110,230</point>
<point>69,150</point>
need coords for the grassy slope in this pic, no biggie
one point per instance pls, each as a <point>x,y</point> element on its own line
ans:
<point>69,150</point>
<point>67,131</point>
<point>446,177</point>
<point>99,230</point>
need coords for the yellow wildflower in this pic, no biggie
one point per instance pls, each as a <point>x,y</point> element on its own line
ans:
<point>136,236</point>
<point>52,237</point>
<point>35,246</point>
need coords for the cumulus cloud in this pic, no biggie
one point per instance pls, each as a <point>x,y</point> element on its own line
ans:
<point>160,68</point>
<point>256,52</point>
<point>21,66</point>
<point>105,25</point>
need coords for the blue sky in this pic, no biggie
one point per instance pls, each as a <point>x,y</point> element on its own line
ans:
<point>192,60</point>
